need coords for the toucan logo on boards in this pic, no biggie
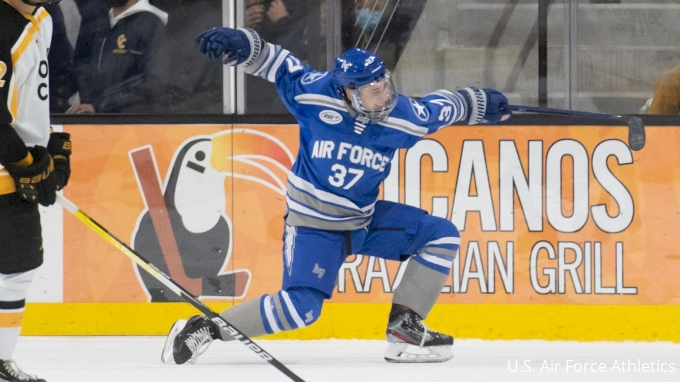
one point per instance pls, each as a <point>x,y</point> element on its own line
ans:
<point>189,238</point>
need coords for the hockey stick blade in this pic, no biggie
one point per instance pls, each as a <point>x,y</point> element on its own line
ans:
<point>172,285</point>
<point>636,130</point>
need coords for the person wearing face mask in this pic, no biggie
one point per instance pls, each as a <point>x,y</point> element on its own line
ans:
<point>382,26</point>
<point>113,61</point>
<point>368,18</point>
<point>368,14</point>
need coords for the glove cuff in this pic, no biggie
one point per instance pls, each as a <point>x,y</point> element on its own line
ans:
<point>59,144</point>
<point>476,104</point>
<point>256,45</point>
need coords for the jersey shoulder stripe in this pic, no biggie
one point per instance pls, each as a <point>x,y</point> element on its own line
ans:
<point>405,126</point>
<point>320,100</point>
<point>27,36</point>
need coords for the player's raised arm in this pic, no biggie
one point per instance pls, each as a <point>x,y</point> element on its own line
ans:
<point>271,62</point>
<point>471,105</point>
<point>243,46</point>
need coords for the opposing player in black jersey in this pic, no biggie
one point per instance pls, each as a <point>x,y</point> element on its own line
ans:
<point>34,163</point>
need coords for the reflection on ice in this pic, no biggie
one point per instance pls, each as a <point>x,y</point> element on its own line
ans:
<point>131,359</point>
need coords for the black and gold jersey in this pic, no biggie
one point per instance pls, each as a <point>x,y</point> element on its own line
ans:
<point>24,71</point>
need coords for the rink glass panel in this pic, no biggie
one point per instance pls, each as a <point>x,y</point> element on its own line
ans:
<point>592,55</point>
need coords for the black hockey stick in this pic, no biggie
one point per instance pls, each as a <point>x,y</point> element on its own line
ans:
<point>163,278</point>
<point>636,130</point>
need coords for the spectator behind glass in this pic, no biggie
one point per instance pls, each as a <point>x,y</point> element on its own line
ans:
<point>63,83</point>
<point>189,79</point>
<point>369,22</point>
<point>666,99</point>
<point>281,22</point>
<point>113,63</point>
<point>383,27</point>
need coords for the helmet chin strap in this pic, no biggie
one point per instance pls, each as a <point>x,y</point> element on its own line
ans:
<point>348,103</point>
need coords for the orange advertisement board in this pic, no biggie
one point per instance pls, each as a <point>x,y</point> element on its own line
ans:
<point>548,215</point>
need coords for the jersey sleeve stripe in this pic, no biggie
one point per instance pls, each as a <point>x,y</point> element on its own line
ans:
<point>405,126</point>
<point>270,63</point>
<point>457,102</point>
<point>445,93</point>
<point>270,56</point>
<point>271,73</point>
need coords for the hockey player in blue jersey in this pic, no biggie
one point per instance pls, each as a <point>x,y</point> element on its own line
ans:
<point>352,122</point>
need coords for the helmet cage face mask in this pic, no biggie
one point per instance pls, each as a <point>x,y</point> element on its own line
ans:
<point>374,100</point>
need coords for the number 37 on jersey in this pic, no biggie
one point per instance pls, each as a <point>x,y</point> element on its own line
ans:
<point>352,161</point>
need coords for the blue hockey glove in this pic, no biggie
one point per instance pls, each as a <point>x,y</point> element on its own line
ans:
<point>236,45</point>
<point>487,106</point>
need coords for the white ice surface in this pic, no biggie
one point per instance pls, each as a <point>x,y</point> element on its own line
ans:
<point>132,359</point>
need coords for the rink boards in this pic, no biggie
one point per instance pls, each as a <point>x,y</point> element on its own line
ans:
<point>566,233</point>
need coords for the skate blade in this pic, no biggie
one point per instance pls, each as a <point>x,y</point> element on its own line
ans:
<point>167,356</point>
<point>405,353</point>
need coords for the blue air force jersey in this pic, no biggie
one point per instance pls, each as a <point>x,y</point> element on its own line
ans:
<point>334,182</point>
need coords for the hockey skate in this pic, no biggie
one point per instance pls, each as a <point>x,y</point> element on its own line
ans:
<point>10,372</point>
<point>410,341</point>
<point>188,339</point>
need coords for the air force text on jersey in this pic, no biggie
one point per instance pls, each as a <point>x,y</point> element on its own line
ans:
<point>358,155</point>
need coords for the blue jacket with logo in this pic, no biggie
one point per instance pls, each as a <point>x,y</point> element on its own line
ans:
<point>334,183</point>
<point>113,61</point>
